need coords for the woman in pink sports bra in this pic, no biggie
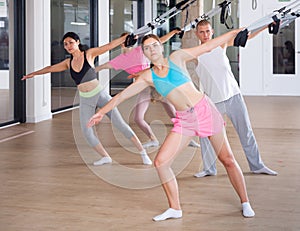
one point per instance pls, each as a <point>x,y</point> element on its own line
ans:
<point>195,116</point>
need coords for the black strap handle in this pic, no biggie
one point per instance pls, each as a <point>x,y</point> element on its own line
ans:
<point>274,27</point>
<point>241,38</point>
<point>181,34</point>
<point>130,40</point>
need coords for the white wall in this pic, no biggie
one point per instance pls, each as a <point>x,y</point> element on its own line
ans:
<point>38,55</point>
<point>4,79</point>
<point>148,12</point>
<point>103,39</point>
<point>251,61</point>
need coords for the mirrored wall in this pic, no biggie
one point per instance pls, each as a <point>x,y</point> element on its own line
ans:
<point>231,21</point>
<point>6,83</point>
<point>284,50</point>
<point>66,15</point>
<point>160,7</point>
<point>127,16</point>
<point>124,16</point>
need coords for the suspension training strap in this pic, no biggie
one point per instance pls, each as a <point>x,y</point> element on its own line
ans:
<point>290,17</point>
<point>274,27</point>
<point>273,21</point>
<point>241,38</point>
<point>158,21</point>
<point>225,14</point>
<point>221,7</point>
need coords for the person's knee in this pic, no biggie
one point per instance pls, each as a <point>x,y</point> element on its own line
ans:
<point>138,119</point>
<point>162,160</point>
<point>227,161</point>
<point>90,137</point>
<point>159,162</point>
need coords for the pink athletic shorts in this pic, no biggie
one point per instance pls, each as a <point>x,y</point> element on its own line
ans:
<point>202,120</point>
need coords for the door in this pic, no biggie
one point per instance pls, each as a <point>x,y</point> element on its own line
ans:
<point>281,59</point>
<point>12,62</point>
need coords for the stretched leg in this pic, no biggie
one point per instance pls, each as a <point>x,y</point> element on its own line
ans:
<point>86,110</point>
<point>117,121</point>
<point>225,155</point>
<point>207,151</point>
<point>142,105</point>
<point>237,111</point>
<point>162,162</point>
<point>208,159</point>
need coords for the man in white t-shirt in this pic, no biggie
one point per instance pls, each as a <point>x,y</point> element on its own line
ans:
<point>218,82</point>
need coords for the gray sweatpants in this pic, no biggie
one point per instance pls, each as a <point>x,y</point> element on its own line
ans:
<point>236,110</point>
<point>87,109</point>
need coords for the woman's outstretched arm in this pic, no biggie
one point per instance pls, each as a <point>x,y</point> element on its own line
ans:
<point>169,35</point>
<point>62,66</point>
<point>103,66</point>
<point>96,51</point>
<point>133,89</point>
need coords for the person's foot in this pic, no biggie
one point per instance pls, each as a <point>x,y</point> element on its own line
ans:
<point>265,170</point>
<point>247,210</point>
<point>103,160</point>
<point>194,144</point>
<point>146,159</point>
<point>204,173</point>
<point>152,143</point>
<point>168,214</point>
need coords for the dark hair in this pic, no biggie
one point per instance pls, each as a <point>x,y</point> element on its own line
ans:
<point>289,45</point>
<point>150,36</point>
<point>76,38</point>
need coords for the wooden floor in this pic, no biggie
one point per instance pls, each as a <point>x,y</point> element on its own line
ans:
<point>48,182</point>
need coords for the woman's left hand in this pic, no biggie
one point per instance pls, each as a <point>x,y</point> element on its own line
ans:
<point>95,119</point>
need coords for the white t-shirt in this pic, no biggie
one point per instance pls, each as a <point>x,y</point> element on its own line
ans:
<point>216,77</point>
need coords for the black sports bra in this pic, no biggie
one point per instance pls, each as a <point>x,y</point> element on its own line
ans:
<point>86,74</point>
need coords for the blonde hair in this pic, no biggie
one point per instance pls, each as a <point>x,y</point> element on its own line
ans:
<point>203,22</point>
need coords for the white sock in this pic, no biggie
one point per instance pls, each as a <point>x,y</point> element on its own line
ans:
<point>203,174</point>
<point>103,160</point>
<point>247,210</point>
<point>169,213</point>
<point>265,170</point>
<point>145,158</point>
<point>152,143</point>
<point>194,144</point>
